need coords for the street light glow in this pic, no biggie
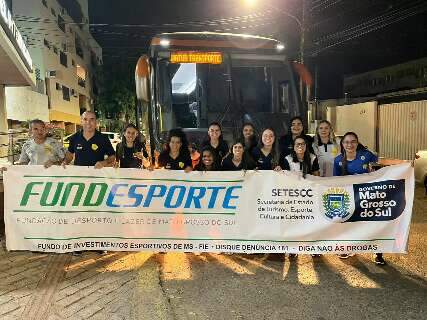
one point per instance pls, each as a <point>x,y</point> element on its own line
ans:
<point>250,3</point>
<point>165,42</point>
<point>280,46</point>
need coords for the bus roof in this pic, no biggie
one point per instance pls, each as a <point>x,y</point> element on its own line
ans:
<point>214,40</point>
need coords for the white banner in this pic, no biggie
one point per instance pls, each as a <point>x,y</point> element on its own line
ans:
<point>79,208</point>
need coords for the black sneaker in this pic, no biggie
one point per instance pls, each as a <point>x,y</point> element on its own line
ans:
<point>316,255</point>
<point>101,251</point>
<point>77,253</point>
<point>379,259</point>
<point>293,255</point>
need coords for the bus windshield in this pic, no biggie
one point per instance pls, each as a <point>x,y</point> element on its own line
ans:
<point>242,88</point>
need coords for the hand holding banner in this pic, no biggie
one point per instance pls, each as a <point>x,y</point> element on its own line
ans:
<point>57,210</point>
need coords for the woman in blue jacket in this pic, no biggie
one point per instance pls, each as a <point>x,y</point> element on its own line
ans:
<point>355,158</point>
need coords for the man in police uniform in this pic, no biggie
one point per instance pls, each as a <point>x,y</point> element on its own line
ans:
<point>89,147</point>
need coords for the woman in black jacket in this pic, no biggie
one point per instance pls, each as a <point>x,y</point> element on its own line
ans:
<point>131,152</point>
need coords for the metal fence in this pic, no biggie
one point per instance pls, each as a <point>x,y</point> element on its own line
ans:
<point>11,142</point>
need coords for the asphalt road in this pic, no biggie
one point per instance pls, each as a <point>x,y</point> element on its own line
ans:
<point>146,285</point>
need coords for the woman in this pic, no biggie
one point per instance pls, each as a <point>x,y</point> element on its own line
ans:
<point>326,147</point>
<point>208,160</point>
<point>216,141</point>
<point>265,155</point>
<point>176,155</point>
<point>238,159</point>
<point>194,154</point>
<point>248,137</point>
<point>301,159</point>
<point>296,129</point>
<point>131,152</point>
<point>355,158</point>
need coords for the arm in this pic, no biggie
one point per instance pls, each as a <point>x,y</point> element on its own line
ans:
<point>68,158</point>
<point>337,167</point>
<point>109,151</point>
<point>188,165</point>
<point>315,169</point>
<point>109,162</point>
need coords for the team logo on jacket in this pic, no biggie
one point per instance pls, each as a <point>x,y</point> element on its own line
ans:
<point>336,204</point>
<point>181,165</point>
<point>94,147</point>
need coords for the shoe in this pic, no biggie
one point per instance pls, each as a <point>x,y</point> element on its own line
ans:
<point>293,255</point>
<point>316,255</point>
<point>101,251</point>
<point>345,255</point>
<point>379,259</point>
<point>77,253</point>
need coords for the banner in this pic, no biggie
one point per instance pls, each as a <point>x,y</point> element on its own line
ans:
<point>80,208</point>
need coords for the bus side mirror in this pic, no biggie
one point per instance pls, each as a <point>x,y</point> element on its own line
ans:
<point>142,79</point>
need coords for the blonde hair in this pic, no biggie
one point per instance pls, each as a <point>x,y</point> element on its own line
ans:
<point>332,137</point>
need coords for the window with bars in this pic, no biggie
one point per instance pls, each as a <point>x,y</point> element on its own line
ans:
<point>61,23</point>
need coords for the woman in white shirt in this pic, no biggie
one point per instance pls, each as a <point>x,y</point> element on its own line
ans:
<point>326,147</point>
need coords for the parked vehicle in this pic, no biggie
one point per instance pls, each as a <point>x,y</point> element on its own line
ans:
<point>190,79</point>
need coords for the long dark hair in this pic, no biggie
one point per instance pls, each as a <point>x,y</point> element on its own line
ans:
<point>208,138</point>
<point>138,145</point>
<point>178,133</point>
<point>290,125</point>
<point>215,163</point>
<point>360,146</point>
<point>253,139</point>
<point>274,149</point>
<point>306,163</point>
<point>247,162</point>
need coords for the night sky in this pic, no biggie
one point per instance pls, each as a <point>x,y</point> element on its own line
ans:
<point>374,33</point>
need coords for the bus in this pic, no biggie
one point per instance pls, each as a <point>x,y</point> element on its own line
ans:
<point>190,79</point>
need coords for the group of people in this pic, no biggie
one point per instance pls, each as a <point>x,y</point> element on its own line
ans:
<point>324,155</point>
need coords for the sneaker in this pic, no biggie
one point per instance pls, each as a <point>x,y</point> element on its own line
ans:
<point>379,259</point>
<point>77,253</point>
<point>293,255</point>
<point>316,255</point>
<point>345,255</point>
<point>101,251</point>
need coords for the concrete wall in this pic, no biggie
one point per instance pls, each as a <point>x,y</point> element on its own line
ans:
<point>360,118</point>
<point>23,104</point>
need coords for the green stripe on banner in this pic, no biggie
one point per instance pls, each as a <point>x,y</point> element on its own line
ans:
<point>136,179</point>
<point>127,212</point>
<point>208,239</point>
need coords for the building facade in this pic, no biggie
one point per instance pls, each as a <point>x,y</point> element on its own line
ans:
<point>407,78</point>
<point>65,59</point>
<point>16,68</point>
